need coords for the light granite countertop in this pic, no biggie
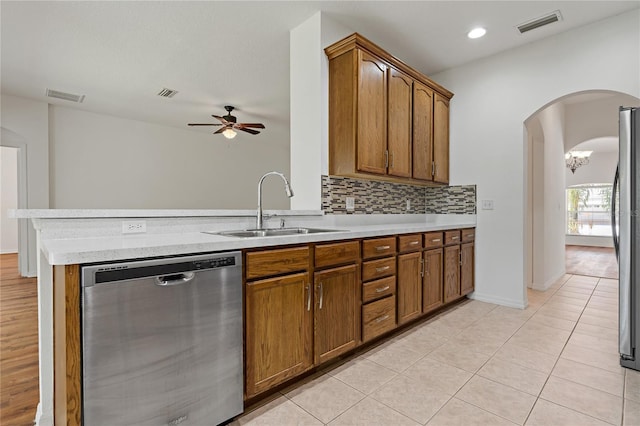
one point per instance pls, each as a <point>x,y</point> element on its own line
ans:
<point>90,236</point>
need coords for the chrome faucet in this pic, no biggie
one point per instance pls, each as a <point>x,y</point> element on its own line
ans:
<point>287,188</point>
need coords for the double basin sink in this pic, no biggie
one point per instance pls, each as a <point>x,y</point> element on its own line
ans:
<point>273,232</point>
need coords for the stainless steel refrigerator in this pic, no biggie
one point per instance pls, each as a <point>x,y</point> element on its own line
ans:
<point>626,235</point>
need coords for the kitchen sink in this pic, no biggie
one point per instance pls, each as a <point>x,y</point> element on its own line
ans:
<point>273,232</point>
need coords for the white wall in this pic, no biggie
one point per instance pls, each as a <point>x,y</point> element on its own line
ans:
<point>306,111</point>
<point>310,105</point>
<point>8,199</point>
<point>552,123</point>
<point>100,161</point>
<point>28,123</point>
<point>493,97</point>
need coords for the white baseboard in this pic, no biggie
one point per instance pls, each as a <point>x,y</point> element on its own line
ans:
<point>547,284</point>
<point>42,420</point>
<point>589,240</point>
<point>497,300</point>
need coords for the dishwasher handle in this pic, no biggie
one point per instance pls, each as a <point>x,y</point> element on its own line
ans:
<point>174,279</point>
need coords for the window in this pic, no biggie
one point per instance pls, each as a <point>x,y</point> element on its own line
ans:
<point>589,210</point>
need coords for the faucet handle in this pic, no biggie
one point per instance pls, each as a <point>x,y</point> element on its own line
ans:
<point>281,223</point>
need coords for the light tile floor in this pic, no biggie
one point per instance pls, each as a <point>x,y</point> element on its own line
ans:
<point>554,363</point>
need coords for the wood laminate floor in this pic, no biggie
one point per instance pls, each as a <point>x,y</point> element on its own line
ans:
<point>19,392</point>
<point>592,261</point>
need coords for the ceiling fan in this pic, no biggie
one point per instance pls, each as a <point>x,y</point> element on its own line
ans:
<point>229,123</point>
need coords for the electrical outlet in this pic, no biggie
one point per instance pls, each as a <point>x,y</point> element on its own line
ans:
<point>134,226</point>
<point>408,205</point>
<point>351,203</point>
<point>487,204</point>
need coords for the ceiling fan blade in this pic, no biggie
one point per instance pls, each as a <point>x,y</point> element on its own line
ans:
<point>222,119</point>
<point>253,132</point>
<point>203,124</point>
<point>220,130</point>
<point>256,125</point>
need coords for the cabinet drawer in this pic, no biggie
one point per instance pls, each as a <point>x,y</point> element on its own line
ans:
<point>378,317</point>
<point>433,239</point>
<point>337,253</point>
<point>276,262</point>
<point>452,237</point>
<point>378,268</point>
<point>379,288</point>
<point>468,235</point>
<point>378,247</point>
<point>409,243</point>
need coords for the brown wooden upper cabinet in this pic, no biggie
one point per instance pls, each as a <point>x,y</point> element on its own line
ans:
<point>440,139</point>
<point>372,114</point>
<point>399,123</point>
<point>387,121</point>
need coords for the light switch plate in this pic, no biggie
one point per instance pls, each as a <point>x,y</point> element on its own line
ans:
<point>487,204</point>
<point>351,203</point>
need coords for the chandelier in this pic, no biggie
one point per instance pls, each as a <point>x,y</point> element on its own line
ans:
<point>575,159</point>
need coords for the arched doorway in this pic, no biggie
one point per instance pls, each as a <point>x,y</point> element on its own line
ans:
<point>587,117</point>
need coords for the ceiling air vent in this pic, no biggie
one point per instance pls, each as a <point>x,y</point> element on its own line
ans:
<point>65,96</point>
<point>550,18</point>
<point>167,93</point>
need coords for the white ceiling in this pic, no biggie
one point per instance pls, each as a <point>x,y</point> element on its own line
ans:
<point>120,54</point>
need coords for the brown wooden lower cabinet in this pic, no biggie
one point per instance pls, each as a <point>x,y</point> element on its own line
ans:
<point>336,313</point>
<point>466,268</point>
<point>451,273</point>
<point>378,317</point>
<point>278,331</point>
<point>293,323</point>
<point>432,281</point>
<point>409,287</point>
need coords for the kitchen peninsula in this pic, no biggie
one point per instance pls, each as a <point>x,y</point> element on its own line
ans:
<point>69,238</point>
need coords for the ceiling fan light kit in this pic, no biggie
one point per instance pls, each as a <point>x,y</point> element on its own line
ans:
<point>230,125</point>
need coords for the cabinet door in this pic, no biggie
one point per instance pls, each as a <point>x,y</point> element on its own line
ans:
<point>336,312</point>
<point>432,282</point>
<point>466,270</point>
<point>451,273</point>
<point>422,132</point>
<point>409,287</point>
<point>372,114</point>
<point>399,124</point>
<point>441,138</point>
<point>278,331</point>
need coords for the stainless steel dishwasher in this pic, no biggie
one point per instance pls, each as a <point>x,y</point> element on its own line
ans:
<point>162,341</point>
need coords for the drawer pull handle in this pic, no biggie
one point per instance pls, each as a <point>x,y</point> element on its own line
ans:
<point>414,243</point>
<point>381,289</point>
<point>435,240</point>
<point>384,268</point>
<point>455,238</point>
<point>308,288</point>
<point>321,295</point>
<point>421,267</point>
<point>383,248</point>
<point>469,235</point>
<point>382,318</point>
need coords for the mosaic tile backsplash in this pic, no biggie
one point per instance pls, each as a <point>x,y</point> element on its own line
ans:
<point>373,197</point>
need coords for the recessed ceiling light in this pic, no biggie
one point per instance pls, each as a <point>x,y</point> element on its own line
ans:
<point>476,32</point>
